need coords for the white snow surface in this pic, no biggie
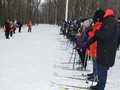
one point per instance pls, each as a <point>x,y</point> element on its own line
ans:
<point>36,61</point>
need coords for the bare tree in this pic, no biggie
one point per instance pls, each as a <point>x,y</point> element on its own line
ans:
<point>52,11</point>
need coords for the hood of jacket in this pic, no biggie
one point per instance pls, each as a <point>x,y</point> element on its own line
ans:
<point>109,12</point>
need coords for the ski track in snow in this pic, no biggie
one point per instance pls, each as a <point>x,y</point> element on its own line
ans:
<point>28,60</point>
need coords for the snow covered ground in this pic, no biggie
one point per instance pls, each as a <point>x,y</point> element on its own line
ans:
<point>39,61</point>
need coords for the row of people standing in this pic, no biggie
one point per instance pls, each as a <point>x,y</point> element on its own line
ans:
<point>98,36</point>
<point>106,46</point>
<point>10,27</point>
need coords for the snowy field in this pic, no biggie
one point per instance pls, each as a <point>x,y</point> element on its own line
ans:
<point>39,61</point>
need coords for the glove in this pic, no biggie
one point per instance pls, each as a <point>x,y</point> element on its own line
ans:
<point>89,29</point>
<point>87,32</point>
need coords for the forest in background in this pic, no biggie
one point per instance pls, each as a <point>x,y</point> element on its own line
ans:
<point>52,11</point>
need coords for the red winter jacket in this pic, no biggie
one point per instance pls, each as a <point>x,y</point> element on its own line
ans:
<point>93,46</point>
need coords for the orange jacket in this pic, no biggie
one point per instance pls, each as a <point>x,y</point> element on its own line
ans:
<point>11,28</point>
<point>96,26</point>
<point>30,25</point>
<point>4,28</point>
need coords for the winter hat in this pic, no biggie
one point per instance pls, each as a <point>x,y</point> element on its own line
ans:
<point>109,12</point>
<point>88,22</point>
<point>98,14</point>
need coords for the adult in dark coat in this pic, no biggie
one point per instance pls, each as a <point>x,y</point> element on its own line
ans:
<point>106,47</point>
<point>7,26</point>
<point>19,25</point>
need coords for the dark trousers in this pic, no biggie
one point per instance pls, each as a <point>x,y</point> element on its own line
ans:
<point>102,76</point>
<point>11,33</point>
<point>29,30</point>
<point>95,63</point>
<point>19,29</point>
<point>7,34</point>
<point>64,32</point>
<point>82,53</point>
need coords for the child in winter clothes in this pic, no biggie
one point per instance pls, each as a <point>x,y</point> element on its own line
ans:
<point>11,28</point>
<point>29,26</point>
<point>81,41</point>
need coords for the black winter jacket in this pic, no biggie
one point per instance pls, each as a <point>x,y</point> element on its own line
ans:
<point>7,25</point>
<point>106,42</point>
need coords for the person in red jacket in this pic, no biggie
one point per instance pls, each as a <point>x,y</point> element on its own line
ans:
<point>98,18</point>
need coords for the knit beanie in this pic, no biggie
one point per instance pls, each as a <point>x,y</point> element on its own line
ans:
<point>88,22</point>
<point>98,14</point>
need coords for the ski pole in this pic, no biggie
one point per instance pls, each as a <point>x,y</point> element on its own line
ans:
<point>68,45</point>
<point>71,55</point>
<point>58,29</point>
<point>85,60</point>
<point>74,59</point>
<point>95,72</point>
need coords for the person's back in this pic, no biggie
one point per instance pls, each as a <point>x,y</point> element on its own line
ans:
<point>106,39</point>
<point>106,42</point>
<point>7,25</point>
